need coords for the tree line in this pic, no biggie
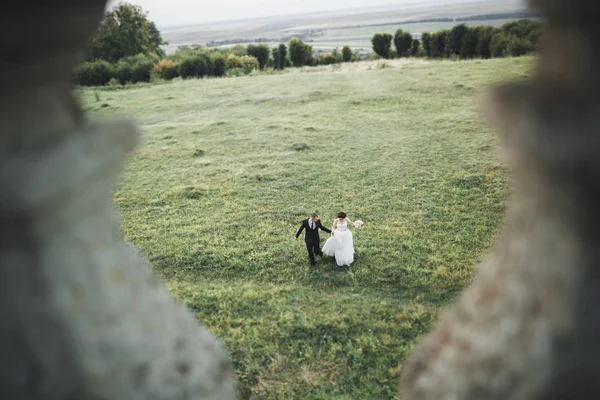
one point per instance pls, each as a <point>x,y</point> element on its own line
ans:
<point>512,39</point>
<point>127,49</point>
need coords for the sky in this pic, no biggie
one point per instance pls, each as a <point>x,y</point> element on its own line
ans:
<point>180,12</point>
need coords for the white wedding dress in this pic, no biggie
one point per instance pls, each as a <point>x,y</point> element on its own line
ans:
<point>340,245</point>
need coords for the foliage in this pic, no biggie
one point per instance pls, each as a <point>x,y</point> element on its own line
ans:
<point>414,48</point>
<point>484,42</point>
<point>97,73</point>
<point>280,57</point>
<point>456,38</point>
<point>499,45</point>
<point>403,42</point>
<point>517,47</point>
<point>426,40</point>
<point>347,54</point>
<point>125,31</point>
<point>249,64</point>
<point>197,66</point>
<point>136,68</point>
<point>218,61</point>
<point>515,38</point>
<point>261,52</point>
<point>166,69</point>
<point>469,44</point>
<point>438,44</point>
<point>300,53</point>
<point>233,62</point>
<point>382,43</point>
<point>239,50</point>
<point>283,56</point>
<point>327,59</point>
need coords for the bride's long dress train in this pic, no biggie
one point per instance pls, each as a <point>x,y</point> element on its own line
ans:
<point>340,245</point>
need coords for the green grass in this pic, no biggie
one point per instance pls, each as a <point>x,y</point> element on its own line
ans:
<point>217,189</point>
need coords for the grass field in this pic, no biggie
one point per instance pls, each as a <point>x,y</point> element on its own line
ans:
<point>220,184</point>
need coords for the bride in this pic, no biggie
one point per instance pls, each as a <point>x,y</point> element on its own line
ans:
<point>341,244</point>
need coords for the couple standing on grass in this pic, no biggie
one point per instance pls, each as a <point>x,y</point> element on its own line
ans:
<point>339,245</point>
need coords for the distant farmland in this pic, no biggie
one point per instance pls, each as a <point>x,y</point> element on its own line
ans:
<point>327,31</point>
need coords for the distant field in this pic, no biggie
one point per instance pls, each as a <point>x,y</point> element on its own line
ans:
<point>355,27</point>
<point>220,183</point>
<point>360,37</point>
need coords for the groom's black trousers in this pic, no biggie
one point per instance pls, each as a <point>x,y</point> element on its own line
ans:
<point>313,247</point>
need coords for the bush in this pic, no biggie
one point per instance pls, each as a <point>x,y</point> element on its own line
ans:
<point>166,69</point>
<point>136,69</point>
<point>280,60</point>
<point>300,53</point>
<point>426,40</point>
<point>140,71</point>
<point>347,54</point>
<point>438,45</point>
<point>97,73</point>
<point>232,62</point>
<point>327,59</point>
<point>197,66</point>
<point>469,43</point>
<point>499,45</point>
<point>238,50</point>
<point>517,47</point>
<point>414,48</point>
<point>249,64</point>
<point>403,42</point>
<point>114,82</point>
<point>218,61</point>
<point>484,42</point>
<point>261,52</point>
<point>382,43</point>
<point>456,38</point>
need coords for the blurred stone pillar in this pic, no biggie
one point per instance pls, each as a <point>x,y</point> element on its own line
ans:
<point>81,316</point>
<point>529,326</point>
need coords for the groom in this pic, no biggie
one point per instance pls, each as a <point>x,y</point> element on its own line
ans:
<point>313,242</point>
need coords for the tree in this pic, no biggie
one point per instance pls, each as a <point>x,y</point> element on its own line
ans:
<point>347,54</point>
<point>517,47</point>
<point>280,56</point>
<point>469,43</point>
<point>484,42</point>
<point>414,48</point>
<point>402,42</point>
<point>261,52</point>
<point>125,31</point>
<point>382,43</point>
<point>438,45</point>
<point>300,53</point>
<point>426,40</point>
<point>455,39</point>
<point>155,38</point>
<point>239,50</point>
<point>197,66</point>
<point>276,58</point>
<point>499,45</point>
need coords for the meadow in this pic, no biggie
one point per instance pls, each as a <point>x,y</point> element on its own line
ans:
<point>227,169</point>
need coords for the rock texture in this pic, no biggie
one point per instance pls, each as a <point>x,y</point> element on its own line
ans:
<point>82,316</point>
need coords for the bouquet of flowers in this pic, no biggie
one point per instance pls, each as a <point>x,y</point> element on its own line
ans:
<point>358,224</point>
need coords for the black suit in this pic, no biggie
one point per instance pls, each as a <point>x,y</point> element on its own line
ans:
<point>313,242</point>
